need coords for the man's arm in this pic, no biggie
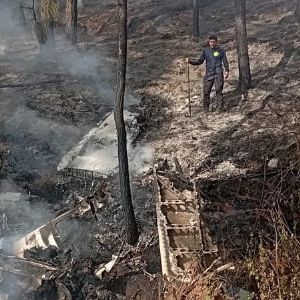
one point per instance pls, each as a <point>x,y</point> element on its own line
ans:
<point>225,64</point>
<point>199,61</point>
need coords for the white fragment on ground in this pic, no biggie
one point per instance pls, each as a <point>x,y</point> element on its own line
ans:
<point>74,152</point>
<point>273,163</point>
<point>97,151</point>
<point>227,168</point>
<point>106,267</point>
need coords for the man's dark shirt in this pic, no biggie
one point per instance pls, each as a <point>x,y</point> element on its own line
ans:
<point>215,60</point>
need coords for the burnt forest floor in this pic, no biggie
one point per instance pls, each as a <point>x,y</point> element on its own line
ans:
<point>248,203</point>
<point>47,103</point>
<point>250,209</point>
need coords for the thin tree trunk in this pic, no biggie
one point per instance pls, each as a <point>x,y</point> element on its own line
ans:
<point>128,213</point>
<point>71,20</point>
<point>202,21</point>
<point>39,29</point>
<point>242,46</point>
<point>297,10</point>
<point>196,16</point>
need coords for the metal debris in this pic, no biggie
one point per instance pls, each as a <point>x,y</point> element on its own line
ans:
<point>96,154</point>
<point>179,228</point>
<point>106,267</point>
<point>25,273</point>
<point>84,174</point>
<point>48,235</point>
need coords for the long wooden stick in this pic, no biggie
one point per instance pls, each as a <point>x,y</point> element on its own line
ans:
<point>189,83</point>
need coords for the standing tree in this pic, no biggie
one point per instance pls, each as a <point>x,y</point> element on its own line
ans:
<point>71,20</point>
<point>242,45</point>
<point>24,21</point>
<point>128,213</point>
<point>297,10</point>
<point>43,14</point>
<point>198,17</point>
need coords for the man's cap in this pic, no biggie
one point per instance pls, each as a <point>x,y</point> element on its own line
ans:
<point>213,37</point>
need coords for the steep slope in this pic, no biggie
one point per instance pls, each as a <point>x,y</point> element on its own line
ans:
<point>160,39</point>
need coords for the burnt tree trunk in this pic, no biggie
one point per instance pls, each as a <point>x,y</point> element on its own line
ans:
<point>297,10</point>
<point>198,17</point>
<point>128,213</point>
<point>40,30</point>
<point>242,45</point>
<point>71,20</point>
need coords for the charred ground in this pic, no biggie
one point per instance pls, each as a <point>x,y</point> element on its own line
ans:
<point>252,210</point>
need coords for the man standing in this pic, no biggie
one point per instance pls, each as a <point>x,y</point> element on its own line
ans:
<point>216,62</point>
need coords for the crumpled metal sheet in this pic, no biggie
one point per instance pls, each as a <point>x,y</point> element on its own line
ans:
<point>48,235</point>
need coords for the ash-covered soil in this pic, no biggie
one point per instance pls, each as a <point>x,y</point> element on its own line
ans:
<point>160,40</point>
<point>47,103</point>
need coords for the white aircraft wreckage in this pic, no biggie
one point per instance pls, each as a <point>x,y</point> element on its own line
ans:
<point>96,153</point>
<point>28,273</point>
<point>183,239</point>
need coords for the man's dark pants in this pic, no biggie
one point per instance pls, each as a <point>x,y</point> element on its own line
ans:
<point>208,82</point>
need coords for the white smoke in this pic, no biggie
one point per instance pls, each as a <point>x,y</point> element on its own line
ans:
<point>80,3</point>
<point>141,159</point>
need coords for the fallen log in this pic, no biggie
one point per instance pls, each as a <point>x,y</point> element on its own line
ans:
<point>30,84</point>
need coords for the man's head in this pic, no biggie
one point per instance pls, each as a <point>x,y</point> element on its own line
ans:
<point>213,41</point>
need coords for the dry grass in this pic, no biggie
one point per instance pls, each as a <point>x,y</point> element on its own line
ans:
<point>269,270</point>
<point>275,272</point>
<point>50,11</point>
<point>208,287</point>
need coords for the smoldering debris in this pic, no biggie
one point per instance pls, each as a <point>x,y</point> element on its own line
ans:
<point>48,235</point>
<point>18,274</point>
<point>97,151</point>
<point>29,273</point>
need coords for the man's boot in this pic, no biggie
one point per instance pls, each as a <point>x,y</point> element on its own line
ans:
<point>220,103</point>
<point>206,103</point>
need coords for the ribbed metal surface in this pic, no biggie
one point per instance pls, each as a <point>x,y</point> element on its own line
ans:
<point>179,229</point>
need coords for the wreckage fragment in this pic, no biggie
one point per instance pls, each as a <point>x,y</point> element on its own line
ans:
<point>106,267</point>
<point>25,273</point>
<point>179,228</point>
<point>29,274</point>
<point>96,154</point>
<point>47,235</point>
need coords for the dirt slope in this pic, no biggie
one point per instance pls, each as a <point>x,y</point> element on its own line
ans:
<point>246,136</point>
<point>241,212</point>
<point>159,40</point>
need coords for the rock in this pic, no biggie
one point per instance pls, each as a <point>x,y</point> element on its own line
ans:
<point>245,295</point>
<point>273,163</point>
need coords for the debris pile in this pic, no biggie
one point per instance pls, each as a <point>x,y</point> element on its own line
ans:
<point>28,266</point>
